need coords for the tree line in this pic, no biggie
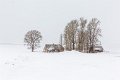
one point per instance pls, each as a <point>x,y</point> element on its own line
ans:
<point>81,35</point>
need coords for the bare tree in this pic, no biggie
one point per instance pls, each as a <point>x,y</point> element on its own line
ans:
<point>70,34</point>
<point>81,34</point>
<point>33,38</point>
<point>67,37</point>
<point>86,41</point>
<point>93,33</point>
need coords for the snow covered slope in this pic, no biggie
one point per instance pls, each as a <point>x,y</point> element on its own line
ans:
<point>18,63</point>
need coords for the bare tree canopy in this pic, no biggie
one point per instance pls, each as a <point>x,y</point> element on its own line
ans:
<point>82,36</point>
<point>33,38</point>
<point>93,33</point>
<point>69,34</point>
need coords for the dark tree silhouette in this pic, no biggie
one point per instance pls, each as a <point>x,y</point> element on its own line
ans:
<point>33,38</point>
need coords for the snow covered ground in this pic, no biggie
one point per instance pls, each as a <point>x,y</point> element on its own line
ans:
<point>18,63</point>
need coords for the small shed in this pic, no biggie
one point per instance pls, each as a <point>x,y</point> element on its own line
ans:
<point>98,49</point>
<point>53,48</point>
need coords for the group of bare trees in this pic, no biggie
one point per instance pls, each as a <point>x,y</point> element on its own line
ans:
<point>79,35</point>
<point>82,35</point>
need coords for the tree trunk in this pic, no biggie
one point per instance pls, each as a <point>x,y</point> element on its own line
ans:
<point>91,49</point>
<point>32,48</point>
<point>73,42</point>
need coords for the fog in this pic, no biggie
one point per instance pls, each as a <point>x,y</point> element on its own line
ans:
<point>51,16</point>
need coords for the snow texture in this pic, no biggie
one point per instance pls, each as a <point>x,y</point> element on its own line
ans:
<point>18,63</point>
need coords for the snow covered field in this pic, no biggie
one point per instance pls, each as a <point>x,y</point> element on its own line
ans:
<point>18,63</point>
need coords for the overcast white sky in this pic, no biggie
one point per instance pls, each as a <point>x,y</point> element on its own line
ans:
<point>51,16</point>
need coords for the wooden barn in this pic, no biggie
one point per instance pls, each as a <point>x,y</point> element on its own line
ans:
<point>53,48</point>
